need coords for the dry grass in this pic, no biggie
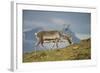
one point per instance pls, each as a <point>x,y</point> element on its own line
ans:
<point>79,51</point>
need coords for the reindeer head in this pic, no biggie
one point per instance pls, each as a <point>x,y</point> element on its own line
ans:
<point>66,27</point>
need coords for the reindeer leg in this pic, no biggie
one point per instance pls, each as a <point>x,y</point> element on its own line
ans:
<point>43,45</point>
<point>70,42</point>
<point>53,45</point>
<point>57,43</point>
<point>38,43</point>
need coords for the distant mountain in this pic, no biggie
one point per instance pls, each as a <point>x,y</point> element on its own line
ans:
<point>29,39</point>
<point>30,35</point>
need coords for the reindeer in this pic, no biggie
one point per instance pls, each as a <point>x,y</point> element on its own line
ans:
<point>51,36</point>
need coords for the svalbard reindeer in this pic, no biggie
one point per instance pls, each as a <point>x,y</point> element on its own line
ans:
<point>51,36</point>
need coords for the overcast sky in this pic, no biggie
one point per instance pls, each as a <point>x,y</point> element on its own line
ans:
<point>50,20</point>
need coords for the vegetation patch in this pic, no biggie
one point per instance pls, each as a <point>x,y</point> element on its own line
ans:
<point>79,51</point>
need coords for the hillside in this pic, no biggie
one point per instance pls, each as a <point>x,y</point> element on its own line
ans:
<point>79,51</point>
